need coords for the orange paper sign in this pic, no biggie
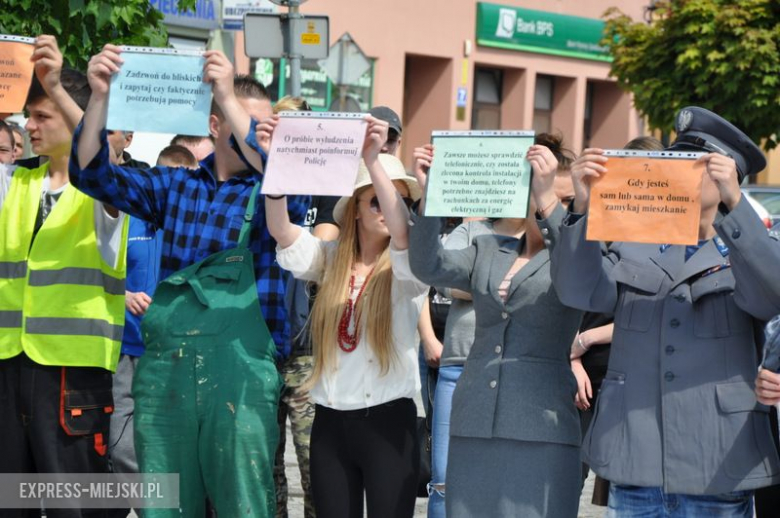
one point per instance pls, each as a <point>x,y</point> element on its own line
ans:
<point>16,72</point>
<point>646,200</point>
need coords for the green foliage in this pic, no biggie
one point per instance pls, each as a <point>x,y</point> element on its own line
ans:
<point>82,27</point>
<point>723,55</point>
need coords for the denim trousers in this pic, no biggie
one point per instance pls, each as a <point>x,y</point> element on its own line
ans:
<point>440,435</point>
<point>652,502</point>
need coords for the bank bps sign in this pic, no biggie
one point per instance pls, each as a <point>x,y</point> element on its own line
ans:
<point>514,28</point>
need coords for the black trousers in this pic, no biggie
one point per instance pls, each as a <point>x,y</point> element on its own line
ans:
<point>373,449</point>
<point>768,498</point>
<point>54,420</point>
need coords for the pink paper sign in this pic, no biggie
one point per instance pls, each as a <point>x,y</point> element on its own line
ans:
<point>315,153</point>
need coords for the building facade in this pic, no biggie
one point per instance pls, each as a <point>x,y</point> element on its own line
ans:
<point>510,64</point>
<point>455,64</point>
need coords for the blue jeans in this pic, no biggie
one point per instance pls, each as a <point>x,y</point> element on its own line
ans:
<point>440,435</point>
<point>652,502</point>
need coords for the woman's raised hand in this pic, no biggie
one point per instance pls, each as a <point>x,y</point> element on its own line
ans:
<point>589,166</point>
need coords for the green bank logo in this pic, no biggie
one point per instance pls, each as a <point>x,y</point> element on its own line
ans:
<point>507,21</point>
<point>509,24</point>
<point>529,30</point>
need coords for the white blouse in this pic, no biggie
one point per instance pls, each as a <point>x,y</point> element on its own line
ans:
<point>355,381</point>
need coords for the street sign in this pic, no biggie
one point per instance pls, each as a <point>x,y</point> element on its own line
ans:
<point>293,36</point>
<point>310,36</point>
<point>204,16</point>
<point>346,63</point>
<point>233,11</point>
<point>265,36</point>
<point>460,102</point>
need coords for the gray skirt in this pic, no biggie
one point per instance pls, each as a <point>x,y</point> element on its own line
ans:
<point>502,478</point>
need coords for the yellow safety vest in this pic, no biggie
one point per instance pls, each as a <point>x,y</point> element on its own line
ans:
<point>60,302</point>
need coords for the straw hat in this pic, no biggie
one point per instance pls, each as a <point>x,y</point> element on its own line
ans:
<point>395,171</point>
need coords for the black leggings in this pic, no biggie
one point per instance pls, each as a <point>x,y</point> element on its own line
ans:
<point>374,449</point>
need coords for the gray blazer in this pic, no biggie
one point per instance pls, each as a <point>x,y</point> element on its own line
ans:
<point>677,407</point>
<point>517,382</point>
<point>461,321</point>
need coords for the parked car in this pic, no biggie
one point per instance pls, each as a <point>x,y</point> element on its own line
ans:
<point>762,212</point>
<point>768,196</point>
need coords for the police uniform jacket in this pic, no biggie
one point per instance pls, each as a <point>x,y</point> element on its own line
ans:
<point>517,382</point>
<point>677,408</point>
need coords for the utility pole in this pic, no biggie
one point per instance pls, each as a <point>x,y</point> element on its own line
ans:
<point>289,35</point>
<point>343,88</point>
<point>295,58</point>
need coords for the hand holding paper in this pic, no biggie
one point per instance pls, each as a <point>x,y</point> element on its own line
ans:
<point>100,69</point>
<point>376,136</point>
<point>218,70</point>
<point>544,165</point>
<point>48,68</point>
<point>423,158</point>
<point>264,132</point>
<point>587,167</point>
<point>722,170</point>
<point>48,62</point>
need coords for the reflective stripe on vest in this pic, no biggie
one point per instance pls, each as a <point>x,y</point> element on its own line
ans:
<point>73,326</point>
<point>79,276</point>
<point>10,319</point>
<point>61,302</point>
<point>17,220</point>
<point>13,270</point>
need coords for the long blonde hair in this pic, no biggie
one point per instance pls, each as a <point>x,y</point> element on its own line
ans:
<point>373,313</point>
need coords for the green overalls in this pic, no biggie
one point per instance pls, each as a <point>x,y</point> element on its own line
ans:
<point>207,389</point>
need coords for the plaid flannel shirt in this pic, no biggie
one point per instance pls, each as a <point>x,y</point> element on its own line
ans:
<point>197,217</point>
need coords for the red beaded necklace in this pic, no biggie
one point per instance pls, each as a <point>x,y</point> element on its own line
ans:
<point>348,342</point>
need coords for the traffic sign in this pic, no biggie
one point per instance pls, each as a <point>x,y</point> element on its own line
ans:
<point>346,63</point>
<point>233,11</point>
<point>310,36</point>
<point>263,37</point>
<point>266,36</point>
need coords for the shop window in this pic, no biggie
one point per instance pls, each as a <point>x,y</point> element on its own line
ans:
<point>318,90</point>
<point>486,110</point>
<point>543,103</point>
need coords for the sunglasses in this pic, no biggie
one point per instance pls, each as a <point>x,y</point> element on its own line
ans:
<point>15,126</point>
<point>373,204</point>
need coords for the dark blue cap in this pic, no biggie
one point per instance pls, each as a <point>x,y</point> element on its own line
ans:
<point>389,116</point>
<point>702,130</point>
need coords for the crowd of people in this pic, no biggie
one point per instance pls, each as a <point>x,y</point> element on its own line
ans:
<point>172,319</point>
